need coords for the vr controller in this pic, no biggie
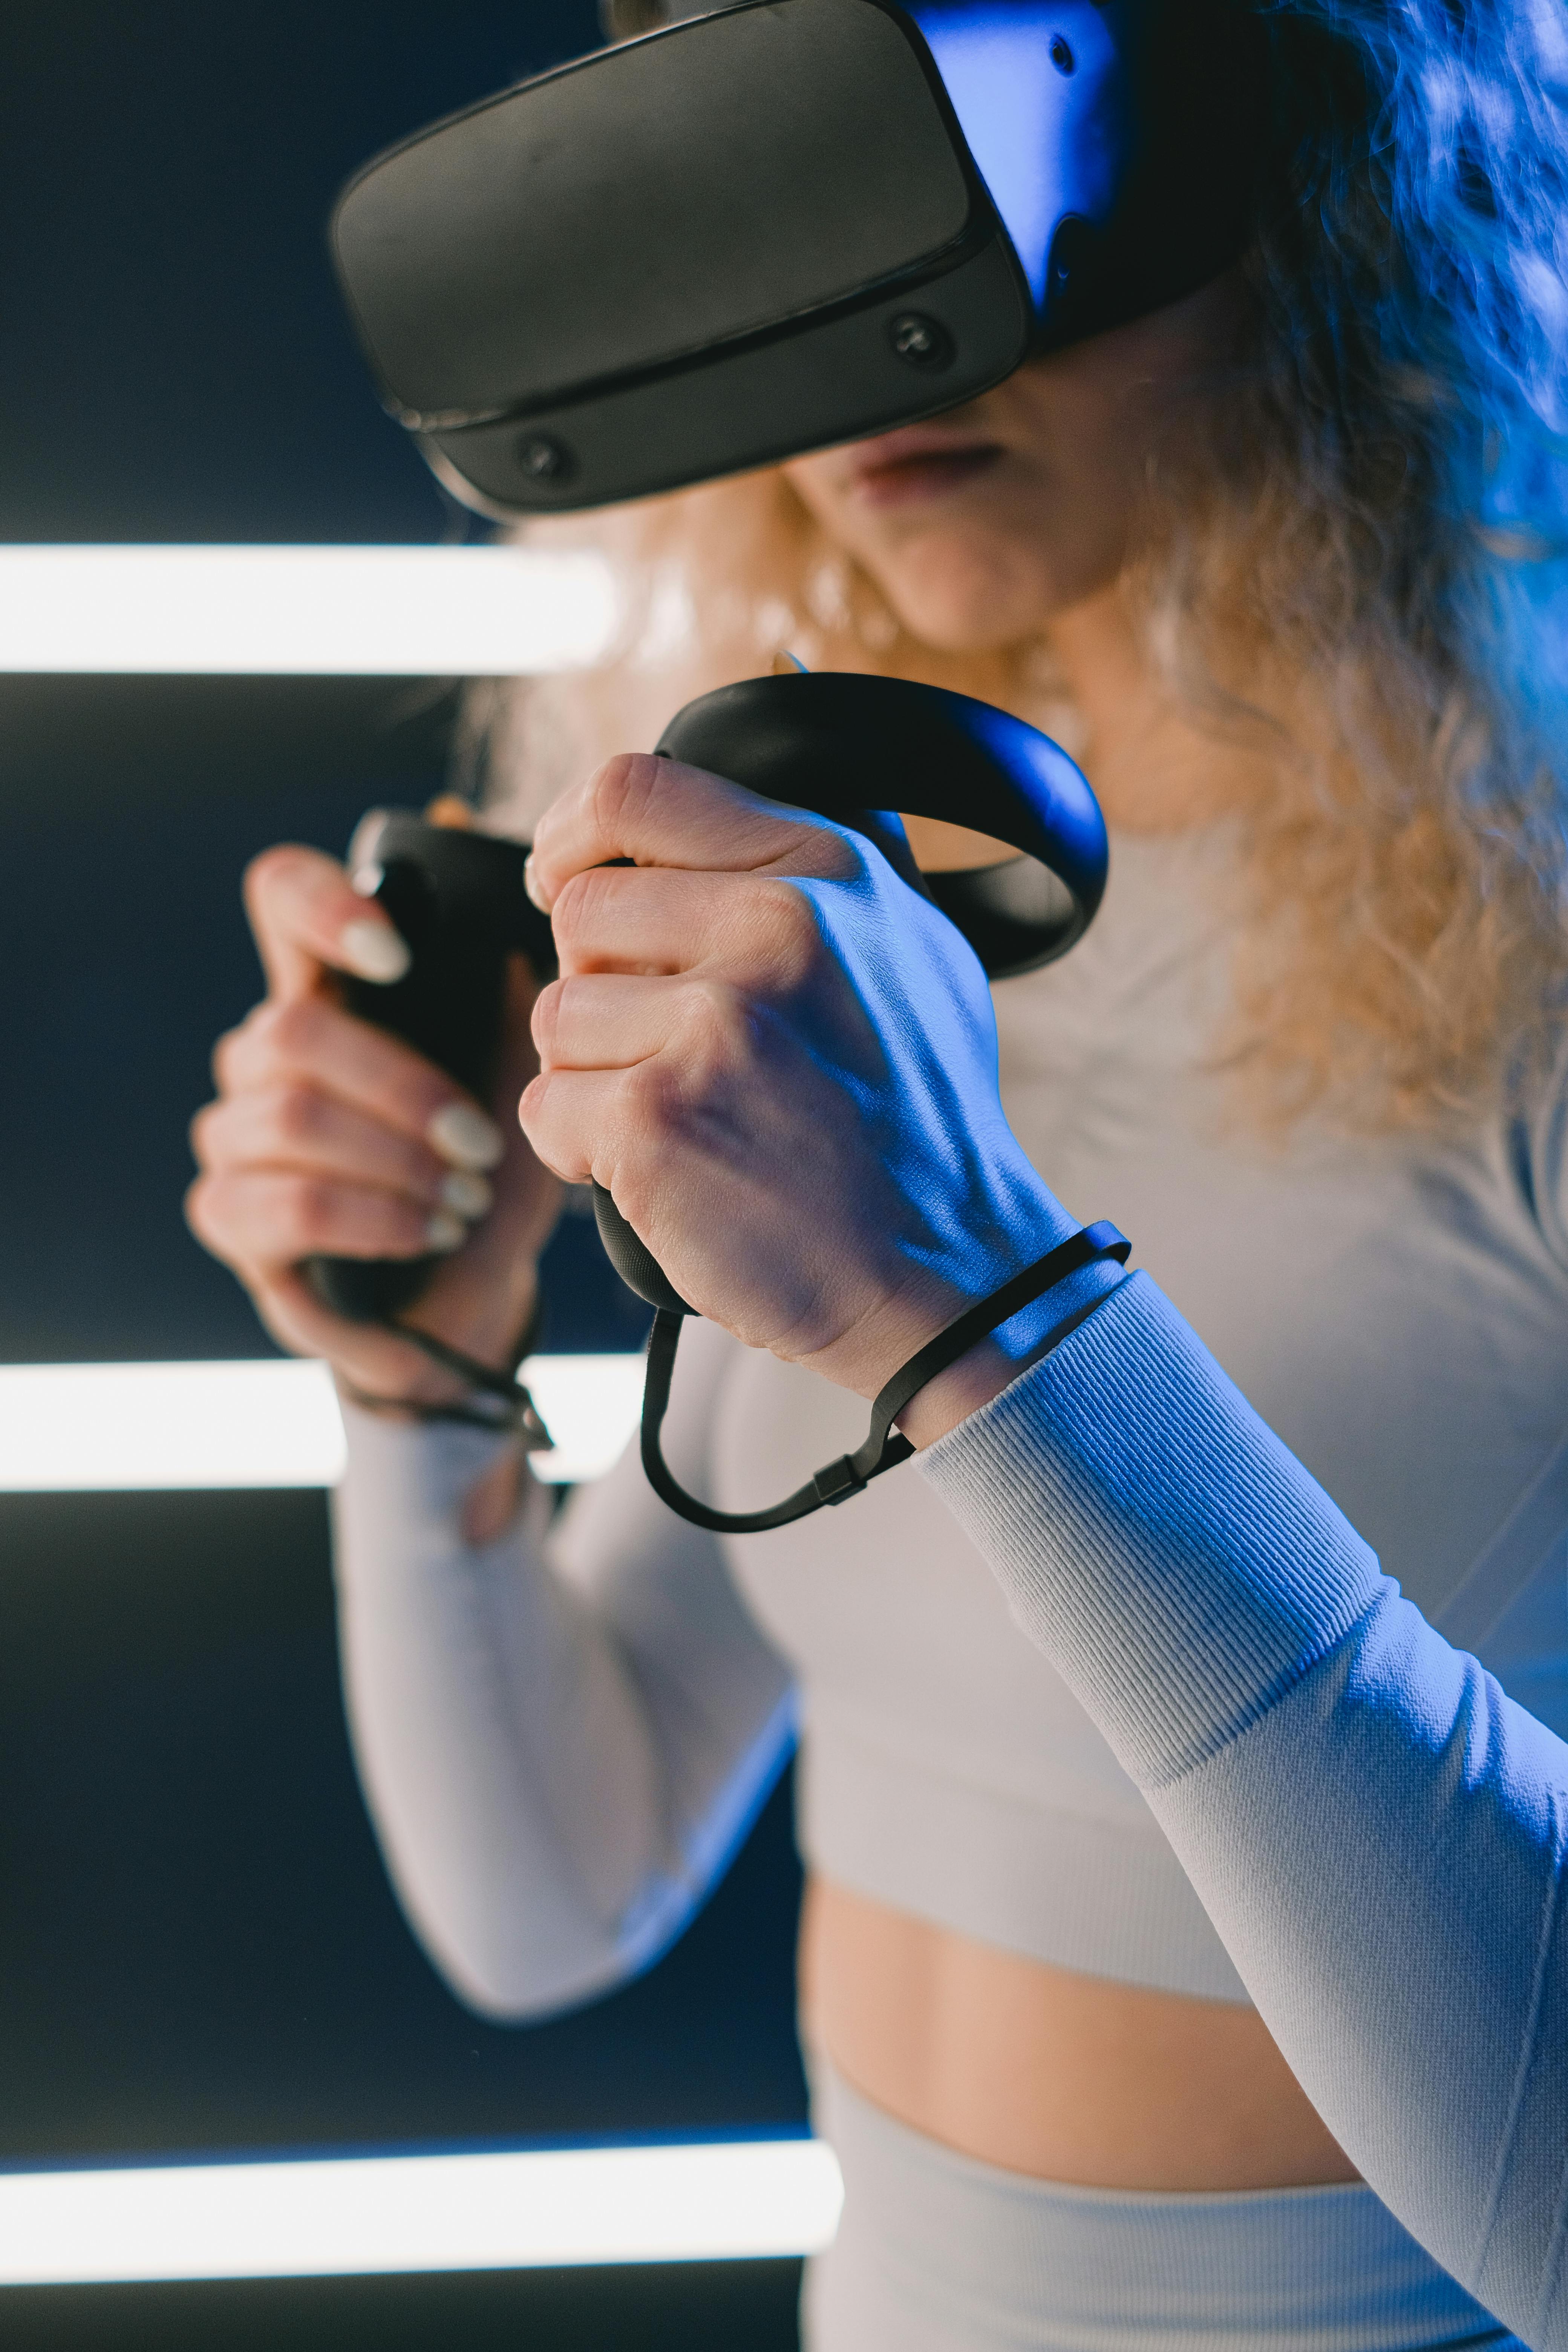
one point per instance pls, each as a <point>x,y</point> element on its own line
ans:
<point>849,748</point>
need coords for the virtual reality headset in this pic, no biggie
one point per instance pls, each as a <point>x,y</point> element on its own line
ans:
<point>786,225</point>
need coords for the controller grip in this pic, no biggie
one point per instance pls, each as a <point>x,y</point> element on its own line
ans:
<point>632,1258</point>
<point>458,900</point>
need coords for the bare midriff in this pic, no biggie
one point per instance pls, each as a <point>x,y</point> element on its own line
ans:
<point>1044,2072</point>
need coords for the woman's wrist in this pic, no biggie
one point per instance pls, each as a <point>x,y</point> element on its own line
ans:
<point>496,1335</point>
<point>963,1389</point>
<point>1003,1356</point>
<point>911,1315</point>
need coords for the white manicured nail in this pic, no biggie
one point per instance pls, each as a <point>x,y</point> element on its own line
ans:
<point>445,1232</point>
<point>465,1136</point>
<point>465,1194</point>
<point>374,951</point>
<point>531,884</point>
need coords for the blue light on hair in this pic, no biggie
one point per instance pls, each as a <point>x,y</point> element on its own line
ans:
<point>1464,144</point>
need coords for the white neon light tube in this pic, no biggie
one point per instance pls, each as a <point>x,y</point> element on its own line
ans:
<point>422,612</point>
<point>746,2200</point>
<point>76,1428</point>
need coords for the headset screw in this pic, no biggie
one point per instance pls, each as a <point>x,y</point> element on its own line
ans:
<point>543,460</point>
<point>924,342</point>
<point>1061,55</point>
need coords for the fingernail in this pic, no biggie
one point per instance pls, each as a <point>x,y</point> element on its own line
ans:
<point>465,1194</point>
<point>465,1136</point>
<point>531,884</point>
<point>445,1232</point>
<point>374,951</point>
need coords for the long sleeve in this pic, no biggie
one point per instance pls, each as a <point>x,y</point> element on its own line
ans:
<point>560,1742</point>
<point>1379,1834</point>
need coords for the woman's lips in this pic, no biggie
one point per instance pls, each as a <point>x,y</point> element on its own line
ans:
<point>904,468</point>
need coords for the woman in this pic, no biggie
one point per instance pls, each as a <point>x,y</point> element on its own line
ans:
<point>1256,560</point>
<point>1379,1834</point>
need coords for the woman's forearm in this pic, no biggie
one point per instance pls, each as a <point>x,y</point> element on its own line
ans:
<point>549,1805</point>
<point>1377,1830</point>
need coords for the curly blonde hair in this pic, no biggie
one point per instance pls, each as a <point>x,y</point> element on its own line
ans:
<point>1352,567</point>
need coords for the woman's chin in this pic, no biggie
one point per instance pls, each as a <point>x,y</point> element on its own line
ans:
<point>961,585</point>
<point>958,599</point>
<point>951,618</point>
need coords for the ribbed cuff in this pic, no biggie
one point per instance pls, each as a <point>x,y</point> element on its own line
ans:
<point>1155,1539</point>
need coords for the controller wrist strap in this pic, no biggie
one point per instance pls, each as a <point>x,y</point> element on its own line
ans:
<point>885,1446</point>
<point>499,1401</point>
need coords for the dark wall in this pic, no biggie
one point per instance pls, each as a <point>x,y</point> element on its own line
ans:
<point>198,1948</point>
<point>684,2307</point>
<point>173,363</point>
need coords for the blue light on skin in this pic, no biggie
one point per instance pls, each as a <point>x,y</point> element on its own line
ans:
<point>1047,130</point>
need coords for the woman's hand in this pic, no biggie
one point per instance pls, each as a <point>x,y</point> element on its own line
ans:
<point>782,1063</point>
<point>330,1135</point>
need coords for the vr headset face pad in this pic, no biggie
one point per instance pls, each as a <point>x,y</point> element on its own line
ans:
<point>785,225</point>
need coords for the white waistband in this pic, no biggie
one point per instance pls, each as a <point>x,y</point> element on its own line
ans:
<point>937,2252</point>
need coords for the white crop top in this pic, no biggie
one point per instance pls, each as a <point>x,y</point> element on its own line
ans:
<point>561,1757</point>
